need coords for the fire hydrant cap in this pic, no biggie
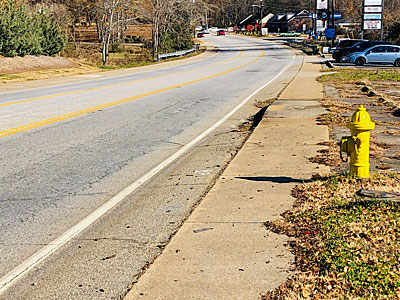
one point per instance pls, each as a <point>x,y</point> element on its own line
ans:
<point>361,120</point>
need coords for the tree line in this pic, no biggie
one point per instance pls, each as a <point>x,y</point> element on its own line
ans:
<point>42,26</point>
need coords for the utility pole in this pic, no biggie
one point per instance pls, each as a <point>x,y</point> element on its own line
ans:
<point>315,18</point>
<point>260,6</point>
<point>333,22</point>
<point>191,18</point>
<point>362,19</point>
<point>383,10</point>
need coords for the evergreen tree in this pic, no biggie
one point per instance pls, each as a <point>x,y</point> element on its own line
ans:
<point>22,34</point>
<point>52,41</point>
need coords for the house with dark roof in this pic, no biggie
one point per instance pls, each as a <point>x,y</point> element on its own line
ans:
<point>289,21</point>
<point>280,22</point>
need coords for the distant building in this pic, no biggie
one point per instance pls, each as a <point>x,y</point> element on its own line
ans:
<point>281,22</point>
<point>301,22</point>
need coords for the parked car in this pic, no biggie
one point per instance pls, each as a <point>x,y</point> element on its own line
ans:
<point>347,43</point>
<point>198,28</point>
<point>220,32</point>
<point>214,29</point>
<point>200,34</point>
<point>342,54</point>
<point>206,31</point>
<point>381,54</point>
<point>289,34</point>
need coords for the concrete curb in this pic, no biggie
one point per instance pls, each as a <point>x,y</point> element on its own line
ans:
<point>223,250</point>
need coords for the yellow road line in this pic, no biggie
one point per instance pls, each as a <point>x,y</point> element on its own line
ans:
<point>117,102</point>
<point>116,84</point>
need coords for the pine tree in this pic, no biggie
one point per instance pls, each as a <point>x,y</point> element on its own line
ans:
<point>22,34</point>
<point>52,40</point>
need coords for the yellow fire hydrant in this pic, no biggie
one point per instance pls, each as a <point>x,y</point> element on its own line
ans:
<point>357,145</point>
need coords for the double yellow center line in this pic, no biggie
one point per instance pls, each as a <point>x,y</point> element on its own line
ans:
<point>116,84</point>
<point>114,103</point>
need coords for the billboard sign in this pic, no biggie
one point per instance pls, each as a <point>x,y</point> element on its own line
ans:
<point>372,16</point>
<point>372,2</point>
<point>323,4</point>
<point>372,25</point>
<point>373,9</point>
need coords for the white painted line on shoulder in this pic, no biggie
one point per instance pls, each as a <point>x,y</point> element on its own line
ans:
<point>17,273</point>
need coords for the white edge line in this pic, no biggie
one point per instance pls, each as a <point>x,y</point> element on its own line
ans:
<point>14,275</point>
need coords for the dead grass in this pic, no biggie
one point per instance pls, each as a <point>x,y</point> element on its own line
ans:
<point>335,109</point>
<point>392,132</point>
<point>47,74</point>
<point>329,156</point>
<point>15,65</point>
<point>346,247</point>
<point>262,104</point>
<point>356,75</point>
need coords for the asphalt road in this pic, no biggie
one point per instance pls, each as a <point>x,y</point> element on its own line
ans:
<point>66,150</point>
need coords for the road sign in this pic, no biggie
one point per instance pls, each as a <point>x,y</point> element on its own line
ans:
<point>310,16</point>
<point>322,4</point>
<point>373,9</point>
<point>324,14</point>
<point>372,2</point>
<point>330,32</point>
<point>372,25</point>
<point>372,16</point>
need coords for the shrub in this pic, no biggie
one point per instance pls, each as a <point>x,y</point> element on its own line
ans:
<point>117,48</point>
<point>22,34</point>
<point>52,41</point>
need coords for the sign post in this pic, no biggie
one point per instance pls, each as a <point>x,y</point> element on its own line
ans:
<point>383,7</point>
<point>372,16</point>
<point>333,23</point>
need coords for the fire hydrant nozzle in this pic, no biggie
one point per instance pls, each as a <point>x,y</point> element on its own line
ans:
<point>357,145</point>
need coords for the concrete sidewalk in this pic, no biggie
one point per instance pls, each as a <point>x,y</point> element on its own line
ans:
<point>223,251</point>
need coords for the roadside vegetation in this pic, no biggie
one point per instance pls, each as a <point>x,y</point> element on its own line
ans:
<point>23,33</point>
<point>350,75</point>
<point>346,246</point>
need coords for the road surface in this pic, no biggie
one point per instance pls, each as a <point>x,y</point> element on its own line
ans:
<point>89,192</point>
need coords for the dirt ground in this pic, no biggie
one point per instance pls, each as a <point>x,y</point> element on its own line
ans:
<point>14,65</point>
<point>28,68</point>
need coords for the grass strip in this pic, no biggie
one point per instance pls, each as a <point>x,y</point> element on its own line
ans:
<point>354,75</point>
<point>346,247</point>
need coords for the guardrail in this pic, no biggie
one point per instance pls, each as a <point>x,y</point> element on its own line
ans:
<point>177,53</point>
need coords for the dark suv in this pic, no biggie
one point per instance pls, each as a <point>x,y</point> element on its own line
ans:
<point>342,54</point>
<point>347,43</point>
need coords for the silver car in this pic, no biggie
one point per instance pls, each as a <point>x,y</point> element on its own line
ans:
<point>381,54</point>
